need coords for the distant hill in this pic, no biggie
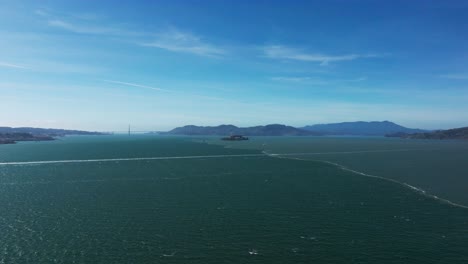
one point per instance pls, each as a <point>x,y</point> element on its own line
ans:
<point>11,138</point>
<point>11,135</point>
<point>223,130</point>
<point>46,131</point>
<point>374,128</point>
<point>456,133</point>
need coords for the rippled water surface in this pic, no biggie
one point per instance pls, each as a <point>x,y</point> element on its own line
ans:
<point>235,208</point>
<point>438,167</point>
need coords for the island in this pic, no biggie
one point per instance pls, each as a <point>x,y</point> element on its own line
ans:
<point>362,128</point>
<point>455,133</point>
<point>358,128</point>
<point>11,135</point>
<point>222,130</point>
<point>235,138</point>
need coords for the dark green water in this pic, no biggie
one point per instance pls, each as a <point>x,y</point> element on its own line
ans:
<point>437,167</point>
<point>210,210</point>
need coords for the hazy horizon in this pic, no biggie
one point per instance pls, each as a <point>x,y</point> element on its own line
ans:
<point>124,129</point>
<point>100,65</point>
<point>118,70</point>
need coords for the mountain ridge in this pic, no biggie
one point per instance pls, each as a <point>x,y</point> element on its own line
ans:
<point>364,128</point>
<point>11,135</point>
<point>46,131</point>
<point>454,133</point>
<point>223,130</point>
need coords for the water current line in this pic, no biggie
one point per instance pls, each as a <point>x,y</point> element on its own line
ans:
<point>264,153</point>
<point>127,159</point>
<point>404,184</point>
<point>189,157</point>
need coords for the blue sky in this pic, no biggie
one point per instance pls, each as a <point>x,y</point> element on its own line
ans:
<point>100,65</point>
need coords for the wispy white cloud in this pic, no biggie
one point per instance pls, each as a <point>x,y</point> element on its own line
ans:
<point>178,41</point>
<point>171,39</point>
<point>179,93</point>
<point>282,52</point>
<point>291,79</point>
<point>462,76</point>
<point>11,65</point>
<point>87,16</point>
<point>49,13</point>
<point>317,81</point>
<point>136,85</point>
<point>67,67</point>
<point>86,29</point>
<point>360,79</point>
<point>41,12</point>
<point>81,23</point>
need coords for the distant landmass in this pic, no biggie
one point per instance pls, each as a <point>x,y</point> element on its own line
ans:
<point>359,128</point>
<point>374,128</point>
<point>11,138</point>
<point>46,131</point>
<point>456,133</point>
<point>223,130</point>
<point>11,135</point>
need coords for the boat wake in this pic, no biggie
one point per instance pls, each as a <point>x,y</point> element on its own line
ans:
<point>338,152</point>
<point>126,159</point>
<point>262,154</point>
<point>406,185</point>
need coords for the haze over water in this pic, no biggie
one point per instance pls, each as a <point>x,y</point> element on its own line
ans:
<point>242,207</point>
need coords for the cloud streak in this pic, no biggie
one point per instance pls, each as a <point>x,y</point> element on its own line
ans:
<point>174,92</point>
<point>455,76</point>
<point>316,81</point>
<point>287,53</point>
<point>171,39</point>
<point>11,65</point>
<point>136,85</point>
<point>62,21</point>
<point>85,29</point>
<point>291,79</point>
<point>41,12</point>
<point>177,41</point>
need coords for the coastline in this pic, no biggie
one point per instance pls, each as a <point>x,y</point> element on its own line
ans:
<point>15,139</point>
